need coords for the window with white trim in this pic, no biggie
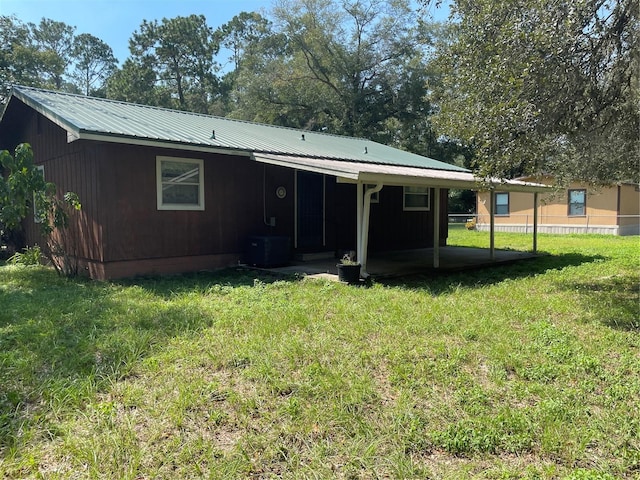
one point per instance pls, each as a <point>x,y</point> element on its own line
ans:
<point>502,203</point>
<point>180,183</point>
<point>416,198</point>
<point>577,202</point>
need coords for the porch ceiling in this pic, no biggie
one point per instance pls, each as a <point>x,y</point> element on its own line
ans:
<point>372,173</point>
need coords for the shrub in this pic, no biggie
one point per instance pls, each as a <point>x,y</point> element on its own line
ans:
<point>470,224</point>
<point>28,256</point>
<point>22,190</point>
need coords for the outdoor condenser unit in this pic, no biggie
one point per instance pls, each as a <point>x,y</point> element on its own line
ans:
<point>268,250</point>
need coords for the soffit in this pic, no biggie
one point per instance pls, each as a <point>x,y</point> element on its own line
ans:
<point>353,172</point>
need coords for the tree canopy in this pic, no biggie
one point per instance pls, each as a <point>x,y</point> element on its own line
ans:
<point>357,67</point>
<point>18,56</point>
<point>53,42</point>
<point>544,86</point>
<point>523,87</point>
<point>180,51</point>
<point>50,55</point>
<point>94,63</point>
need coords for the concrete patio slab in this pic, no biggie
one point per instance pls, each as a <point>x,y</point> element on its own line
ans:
<point>411,262</point>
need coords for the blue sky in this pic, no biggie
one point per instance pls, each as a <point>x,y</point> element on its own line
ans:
<point>113,21</point>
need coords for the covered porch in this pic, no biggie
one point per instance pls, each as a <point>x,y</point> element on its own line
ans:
<point>371,178</point>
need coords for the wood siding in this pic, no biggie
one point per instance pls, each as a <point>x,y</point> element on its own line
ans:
<point>390,227</point>
<point>234,189</point>
<point>71,167</point>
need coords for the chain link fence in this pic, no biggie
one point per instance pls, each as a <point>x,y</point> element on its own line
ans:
<point>523,223</point>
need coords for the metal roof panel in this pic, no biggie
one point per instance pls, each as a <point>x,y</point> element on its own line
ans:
<point>97,116</point>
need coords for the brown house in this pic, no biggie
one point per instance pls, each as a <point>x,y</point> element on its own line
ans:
<point>165,191</point>
<point>613,210</point>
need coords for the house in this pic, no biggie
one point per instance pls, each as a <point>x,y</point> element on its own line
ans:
<point>579,208</point>
<point>168,191</point>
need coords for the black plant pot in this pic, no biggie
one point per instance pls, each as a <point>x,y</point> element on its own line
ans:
<point>349,273</point>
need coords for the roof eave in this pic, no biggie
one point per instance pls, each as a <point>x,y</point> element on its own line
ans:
<point>151,142</point>
<point>527,188</point>
<point>72,130</point>
<point>471,184</point>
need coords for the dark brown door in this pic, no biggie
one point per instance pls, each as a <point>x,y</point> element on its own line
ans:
<point>310,206</point>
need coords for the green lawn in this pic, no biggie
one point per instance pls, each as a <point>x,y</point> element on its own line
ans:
<point>523,371</point>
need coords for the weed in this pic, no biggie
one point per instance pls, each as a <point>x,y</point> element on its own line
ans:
<point>28,257</point>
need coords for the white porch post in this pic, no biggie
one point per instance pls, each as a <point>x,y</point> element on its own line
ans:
<point>359,200</point>
<point>492,224</point>
<point>362,257</point>
<point>535,222</point>
<point>436,228</point>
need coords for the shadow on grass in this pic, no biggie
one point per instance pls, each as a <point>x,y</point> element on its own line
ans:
<point>61,341</point>
<point>438,283</point>
<point>168,286</point>
<point>614,300</point>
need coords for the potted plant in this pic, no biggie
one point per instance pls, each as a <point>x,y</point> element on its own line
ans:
<point>349,270</point>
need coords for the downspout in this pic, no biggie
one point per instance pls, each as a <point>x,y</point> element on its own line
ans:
<point>264,198</point>
<point>362,257</point>
<point>618,208</point>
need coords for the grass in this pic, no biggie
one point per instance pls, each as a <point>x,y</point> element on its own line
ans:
<point>524,371</point>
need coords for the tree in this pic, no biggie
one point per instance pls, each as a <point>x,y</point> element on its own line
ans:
<point>545,86</point>
<point>135,82</point>
<point>22,188</point>
<point>42,56</point>
<point>54,43</point>
<point>341,53</point>
<point>243,36</point>
<point>268,87</point>
<point>407,108</point>
<point>94,63</point>
<point>242,33</point>
<point>19,60</point>
<point>180,51</point>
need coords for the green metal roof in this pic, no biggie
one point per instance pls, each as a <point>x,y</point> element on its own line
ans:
<point>89,117</point>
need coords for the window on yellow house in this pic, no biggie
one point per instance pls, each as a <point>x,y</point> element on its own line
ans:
<point>502,203</point>
<point>577,202</point>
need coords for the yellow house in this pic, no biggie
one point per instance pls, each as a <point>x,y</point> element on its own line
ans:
<point>611,210</point>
